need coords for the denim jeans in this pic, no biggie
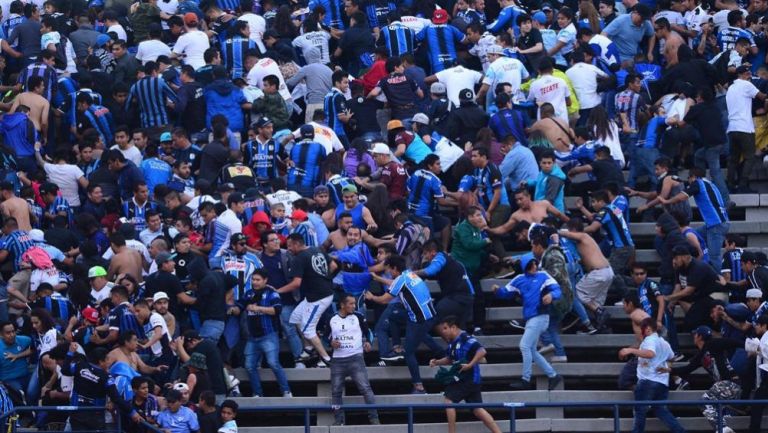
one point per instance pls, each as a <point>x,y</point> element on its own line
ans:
<point>389,325</point>
<point>579,310</point>
<point>4,298</point>
<point>534,327</point>
<point>267,346</point>
<point>715,235</point>
<point>709,157</point>
<point>212,330</point>
<point>353,367</point>
<point>648,390</point>
<point>290,331</point>
<point>415,334</point>
<point>552,334</point>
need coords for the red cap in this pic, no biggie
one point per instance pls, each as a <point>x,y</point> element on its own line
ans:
<point>440,16</point>
<point>91,315</point>
<point>190,19</point>
<point>298,215</point>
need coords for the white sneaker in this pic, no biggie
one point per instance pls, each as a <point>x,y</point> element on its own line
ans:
<point>547,349</point>
<point>321,364</point>
<point>558,359</point>
<point>300,365</point>
<point>726,429</point>
<point>287,394</point>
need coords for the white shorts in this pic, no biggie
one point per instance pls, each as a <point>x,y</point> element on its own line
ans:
<point>307,314</point>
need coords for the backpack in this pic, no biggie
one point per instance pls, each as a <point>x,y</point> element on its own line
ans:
<point>61,54</point>
<point>722,75</point>
<point>123,20</point>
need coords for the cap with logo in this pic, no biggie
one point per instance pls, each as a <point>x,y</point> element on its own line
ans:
<point>164,257</point>
<point>238,237</point>
<point>466,95</point>
<point>440,16</point>
<point>438,89</point>
<point>165,137</point>
<point>97,271</point>
<point>703,331</point>
<point>262,122</point>
<point>235,197</point>
<point>90,314</point>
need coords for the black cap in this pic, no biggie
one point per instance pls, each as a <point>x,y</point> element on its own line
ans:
<point>307,131</point>
<point>262,122</point>
<point>748,256</point>
<point>238,237</point>
<point>466,95</point>
<point>235,197</point>
<point>742,69</point>
<point>225,187</point>
<point>681,250</point>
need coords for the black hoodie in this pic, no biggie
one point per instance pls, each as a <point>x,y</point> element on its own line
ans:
<point>670,238</point>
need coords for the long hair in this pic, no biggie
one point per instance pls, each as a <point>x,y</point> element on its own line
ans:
<point>599,123</point>
<point>587,10</point>
<point>46,321</point>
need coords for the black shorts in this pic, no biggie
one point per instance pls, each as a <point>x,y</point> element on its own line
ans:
<point>464,391</point>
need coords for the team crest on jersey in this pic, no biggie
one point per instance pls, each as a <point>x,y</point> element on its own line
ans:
<point>319,264</point>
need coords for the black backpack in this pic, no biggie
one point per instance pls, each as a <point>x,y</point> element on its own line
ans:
<point>722,75</point>
<point>123,20</point>
<point>61,54</point>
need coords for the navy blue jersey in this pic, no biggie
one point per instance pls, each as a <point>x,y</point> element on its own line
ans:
<point>10,24</point>
<point>488,179</point>
<point>304,175</point>
<point>702,243</point>
<point>137,214</point>
<point>334,12</point>
<point>335,102</point>
<point>151,93</point>
<point>464,348</point>
<point>336,184</point>
<point>262,157</point>
<point>398,39</point>
<point>440,40</point>
<point>507,19</point>
<point>414,295</point>
<point>233,53</point>
<point>121,319</point>
<point>612,220</point>
<point>732,264</point>
<point>60,205</point>
<point>510,122</point>
<point>377,11</point>
<point>241,267</point>
<point>50,77</point>
<point>260,324</point>
<point>100,119</point>
<point>709,201</point>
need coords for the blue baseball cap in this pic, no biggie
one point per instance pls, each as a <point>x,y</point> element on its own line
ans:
<point>165,136</point>
<point>703,331</point>
<point>540,16</point>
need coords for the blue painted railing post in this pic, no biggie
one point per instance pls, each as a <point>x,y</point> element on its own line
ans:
<point>410,419</point>
<point>512,420</point>
<point>306,420</point>
<point>616,419</point>
<point>719,418</point>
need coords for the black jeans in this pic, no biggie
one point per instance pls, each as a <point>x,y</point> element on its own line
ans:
<point>457,305</point>
<point>756,414</point>
<point>742,146</point>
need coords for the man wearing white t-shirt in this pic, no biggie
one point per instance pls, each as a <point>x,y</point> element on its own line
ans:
<point>455,79</point>
<point>501,70</point>
<point>192,45</point>
<point>583,75</point>
<point>257,25</point>
<point>152,48</point>
<point>323,135</point>
<point>110,20</point>
<point>229,218</point>
<point>548,88</point>
<point>260,68</point>
<point>741,128</point>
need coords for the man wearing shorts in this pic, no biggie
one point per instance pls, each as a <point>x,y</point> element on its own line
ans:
<point>592,289</point>
<point>465,386</point>
<point>310,272</point>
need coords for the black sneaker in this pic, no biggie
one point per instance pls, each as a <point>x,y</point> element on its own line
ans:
<point>588,330</point>
<point>392,357</point>
<point>554,382</point>
<point>522,385</point>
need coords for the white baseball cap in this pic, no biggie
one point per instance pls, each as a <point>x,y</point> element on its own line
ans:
<point>754,293</point>
<point>159,296</point>
<point>380,148</point>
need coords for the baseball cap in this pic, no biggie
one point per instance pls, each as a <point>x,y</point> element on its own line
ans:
<point>307,131</point>
<point>102,40</point>
<point>226,187</point>
<point>438,89</point>
<point>190,19</point>
<point>394,124</point>
<point>349,188</point>
<point>440,16</point>
<point>320,189</point>
<point>680,250</point>
<point>238,237</point>
<point>754,293</point>
<point>262,122</point>
<point>235,197</point>
<point>703,331</point>
<point>494,49</point>
<point>540,17</point>
<point>380,148</point>
<point>298,215</point>
<point>466,95</point>
<point>181,387</point>
<point>742,69</point>
<point>546,7</point>
<point>97,271</point>
<point>90,315</point>
<point>748,256</point>
<point>159,296</point>
<point>37,235</point>
<point>164,257</point>
<point>165,137</point>
<point>420,118</point>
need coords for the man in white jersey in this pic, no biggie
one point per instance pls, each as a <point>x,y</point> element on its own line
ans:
<point>455,79</point>
<point>192,45</point>
<point>501,70</point>
<point>260,68</point>
<point>548,88</point>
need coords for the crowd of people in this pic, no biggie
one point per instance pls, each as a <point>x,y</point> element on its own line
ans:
<point>186,186</point>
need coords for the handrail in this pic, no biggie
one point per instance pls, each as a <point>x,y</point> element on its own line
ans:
<point>512,406</point>
<point>66,409</point>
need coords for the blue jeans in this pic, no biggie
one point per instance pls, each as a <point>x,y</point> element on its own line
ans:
<point>212,330</point>
<point>648,390</point>
<point>4,298</point>
<point>534,327</point>
<point>642,164</point>
<point>290,331</point>
<point>552,334</point>
<point>354,367</point>
<point>715,235</point>
<point>578,308</point>
<point>709,157</point>
<point>389,326</point>
<point>267,346</point>
<point>415,334</point>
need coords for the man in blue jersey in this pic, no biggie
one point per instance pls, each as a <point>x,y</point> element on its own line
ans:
<point>240,263</point>
<point>233,49</point>
<point>261,152</point>
<point>456,289</point>
<point>304,163</point>
<point>121,317</point>
<point>150,94</point>
<point>396,36</point>
<point>335,106</point>
<point>355,260</point>
<point>425,192</point>
<point>413,293</point>
<point>16,348</point>
<point>732,270</point>
<point>490,189</point>
<point>537,289</point>
<point>712,209</point>
<point>441,38</point>
<point>727,37</point>
<point>334,12</point>
<point>156,171</point>
<point>507,18</point>
<point>90,115</point>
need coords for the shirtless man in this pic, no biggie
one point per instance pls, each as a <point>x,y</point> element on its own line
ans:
<point>556,130</point>
<point>592,289</point>
<point>529,211</point>
<point>672,40</point>
<point>337,239</point>
<point>636,314</point>
<point>127,346</point>
<point>15,207</point>
<point>125,260</point>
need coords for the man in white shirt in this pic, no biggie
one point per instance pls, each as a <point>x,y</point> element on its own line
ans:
<point>260,68</point>
<point>652,376</point>
<point>548,88</point>
<point>257,25</point>
<point>455,79</point>
<point>229,217</point>
<point>501,70</point>
<point>323,134</point>
<point>192,45</point>
<point>741,128</point>
<point>152,48</point>
<point>583,75</point>
<point>481,41</point>
<point>125,146</point>
<point>110,20</point>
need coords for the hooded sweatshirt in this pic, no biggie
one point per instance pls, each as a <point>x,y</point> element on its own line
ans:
<point>225,98</point>
<point>670,238</point>
<point>19,133</point>
<point>550,186</point>
<point>253,233</point>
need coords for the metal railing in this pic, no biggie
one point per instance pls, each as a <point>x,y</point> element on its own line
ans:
<point>13,416</point>
<point>512,407</point>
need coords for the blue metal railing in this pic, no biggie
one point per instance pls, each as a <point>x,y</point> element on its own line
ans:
<point>512,407</point>
<point>62,409</point>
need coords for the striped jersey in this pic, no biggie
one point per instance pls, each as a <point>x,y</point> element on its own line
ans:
<point>612,220</point>
<point>50,77</point>
<point>151,93</point>
<point>260,324</point>
<point>440,40</point>
<point>377,11</point>
<point>11,23</point>
<point>334,12</point>
<point>122,319</point>
<point>307,232</point>
<point>424,187</point>
<point>488,179</point>
<point>702,243</point>
<point>61,205</point>
<point>262,157</point>
<point>335,103</point>
<point>463,349</point>
<point>70,104</point>
<point>709,201</point>
<point>307,157</point>
<point>137,213</point>
<point>398,39</point>
<point>732,264</point>
<point>241,267</point>
<point>61,308</point>
<point>233,53</point>
<point>414,295</point>
<point>629,102</point>
<point>217,234</point>
<point>336,184</point>
<point>100,119</point>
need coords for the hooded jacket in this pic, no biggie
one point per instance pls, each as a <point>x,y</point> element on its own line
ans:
<point>550,186</point>
<point>253,233</point>
<point>223,97</point>
<point>19,133</point>
<point>670,238</point>
<point>123,374</point>
<point>469,246</point>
